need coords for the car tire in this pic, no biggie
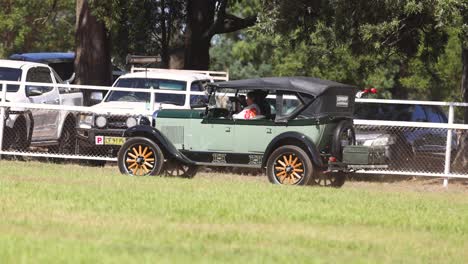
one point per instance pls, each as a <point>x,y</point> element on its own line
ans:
<point>290,165</point>
<point>19,138</point>
<point>333,179</point>
<point>140,156</point>
<point>67,141</point>
<point>344,131</point>
<point>177,169</point>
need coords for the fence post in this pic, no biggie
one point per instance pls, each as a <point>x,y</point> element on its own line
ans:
<point>448,149</point>
<point>152,101</point>
<point>2,116</point>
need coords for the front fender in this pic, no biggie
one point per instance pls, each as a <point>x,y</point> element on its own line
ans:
<point>294,138</point>
<point>166,146</point>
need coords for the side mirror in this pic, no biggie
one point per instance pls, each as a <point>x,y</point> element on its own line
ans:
<point>96,97</point>
<point>32,91</point>
<point>71,79</point>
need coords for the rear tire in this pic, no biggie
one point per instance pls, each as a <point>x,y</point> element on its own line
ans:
<point>140,156</point>
<point>177,169</point>
<point>67,141</point>
<point>290,165</point>
<point>333,179</point>
<point>66,144</point>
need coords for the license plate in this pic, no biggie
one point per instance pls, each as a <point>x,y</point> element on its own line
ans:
<point>103,140</point>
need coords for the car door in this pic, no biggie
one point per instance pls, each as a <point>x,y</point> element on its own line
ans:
<point>218,134</point>
<point>435,139</point>
<point>45,122</point>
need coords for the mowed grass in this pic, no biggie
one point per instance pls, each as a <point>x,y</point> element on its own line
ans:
<point>70,214</point>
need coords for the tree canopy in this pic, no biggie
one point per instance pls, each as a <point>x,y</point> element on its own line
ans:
<point>407,49</point>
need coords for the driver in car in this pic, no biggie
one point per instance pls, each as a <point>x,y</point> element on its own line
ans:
<point>252,109</point>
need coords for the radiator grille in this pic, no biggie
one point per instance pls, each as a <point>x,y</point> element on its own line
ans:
<point>174,133</point>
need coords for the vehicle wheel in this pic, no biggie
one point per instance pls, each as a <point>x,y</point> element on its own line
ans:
<point>289,165</point>
<point>344,135</point>
<point>19,139</point>
<point>67,141</point>
<point>177,169</point>
<point>336,179</point>
<point>140,156</point>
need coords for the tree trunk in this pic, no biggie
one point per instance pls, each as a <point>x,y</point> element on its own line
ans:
<point>93,55</point>
<point>460,163</point>
<point>464,83</point>
<point>200,17</point>
<point>202,26</point>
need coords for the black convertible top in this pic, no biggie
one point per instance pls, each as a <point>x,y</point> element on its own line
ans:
<point>308,85</point>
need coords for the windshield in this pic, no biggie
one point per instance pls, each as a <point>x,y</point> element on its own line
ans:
<point>124,96</point>
<point>10,74</point>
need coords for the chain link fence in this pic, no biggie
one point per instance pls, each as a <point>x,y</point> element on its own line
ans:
<point>414,149</point>
<point>415,143</point>
<point>420,138</point>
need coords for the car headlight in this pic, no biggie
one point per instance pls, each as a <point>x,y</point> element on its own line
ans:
<point>85,121</point>
<point>383,140</point>
<point>131,122</point>
<point>101,121</point>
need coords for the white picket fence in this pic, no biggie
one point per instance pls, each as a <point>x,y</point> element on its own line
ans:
<point>401,127</point>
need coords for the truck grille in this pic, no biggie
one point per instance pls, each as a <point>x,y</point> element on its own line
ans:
<point>117,122</point>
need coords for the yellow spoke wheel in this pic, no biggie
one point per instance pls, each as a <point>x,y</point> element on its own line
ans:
<point>289,165</point>
<point>140,157</point>
<point>288,169</point>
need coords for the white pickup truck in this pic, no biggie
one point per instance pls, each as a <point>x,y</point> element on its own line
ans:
<point>54,129</point>
<point>183,82</point>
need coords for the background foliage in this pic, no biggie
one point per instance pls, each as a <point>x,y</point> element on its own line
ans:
<point>408,49</point>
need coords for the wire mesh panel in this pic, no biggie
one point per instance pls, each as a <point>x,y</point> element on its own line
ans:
<point>409,149</point>
<point>66,133</point>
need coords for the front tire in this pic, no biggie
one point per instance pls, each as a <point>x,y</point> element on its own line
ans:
<point>140,156</point>
<point>19,138</point>
<point>290,165</point>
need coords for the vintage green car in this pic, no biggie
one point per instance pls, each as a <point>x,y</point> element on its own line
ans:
<point>298,138</point>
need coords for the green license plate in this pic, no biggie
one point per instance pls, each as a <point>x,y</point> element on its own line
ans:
<point>103,140</point>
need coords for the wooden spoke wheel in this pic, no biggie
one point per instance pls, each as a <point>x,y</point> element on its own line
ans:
<point>289,165</point>
<point>140,157</point>
<point>336,179</point>
<point>177,169</point>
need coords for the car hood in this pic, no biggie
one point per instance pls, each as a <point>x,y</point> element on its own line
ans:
<point>368,137</point>
<point>123,105</point>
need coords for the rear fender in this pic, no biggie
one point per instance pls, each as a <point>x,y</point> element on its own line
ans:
<point>294,138</point>
<point>155,135</point>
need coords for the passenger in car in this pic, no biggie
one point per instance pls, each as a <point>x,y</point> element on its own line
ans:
<point>252,110</point>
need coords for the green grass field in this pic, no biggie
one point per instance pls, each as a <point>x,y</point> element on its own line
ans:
<point>71,214</point>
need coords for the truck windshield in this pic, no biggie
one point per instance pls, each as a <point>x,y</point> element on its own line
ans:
<point>141,83</point>
<point>10,74</point>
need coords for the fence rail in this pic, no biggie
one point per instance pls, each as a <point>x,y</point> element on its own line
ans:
<point>414,148</point>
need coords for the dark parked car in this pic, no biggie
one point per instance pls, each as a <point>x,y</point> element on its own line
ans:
<point>407,148</point>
